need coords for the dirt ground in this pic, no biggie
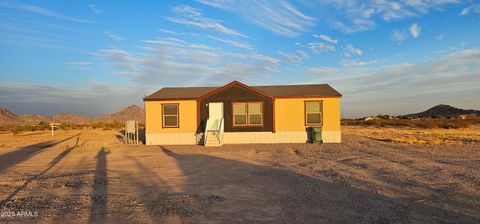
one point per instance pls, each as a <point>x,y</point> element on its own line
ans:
<point>436,136</point>
<point>89,176</point>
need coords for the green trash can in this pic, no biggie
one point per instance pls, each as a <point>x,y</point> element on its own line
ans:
<point>316,134</point>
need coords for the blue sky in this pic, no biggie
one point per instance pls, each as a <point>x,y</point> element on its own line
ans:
<point>385,57</point>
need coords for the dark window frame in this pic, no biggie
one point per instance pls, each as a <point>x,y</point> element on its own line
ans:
<point>247,124</point>
<point>320,124</point>
<point>177,115</point>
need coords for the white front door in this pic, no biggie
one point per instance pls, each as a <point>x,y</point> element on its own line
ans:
<point>215,114</point>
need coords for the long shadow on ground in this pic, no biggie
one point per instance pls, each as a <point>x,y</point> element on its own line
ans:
<point>54,162</point>
<point>255,193</point>
<point>24,153</point>
<point>99,197</point>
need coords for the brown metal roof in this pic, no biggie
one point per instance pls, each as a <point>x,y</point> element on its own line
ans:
<point>311,90</point>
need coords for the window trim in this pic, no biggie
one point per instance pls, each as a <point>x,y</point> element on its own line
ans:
<point>248,115</point>
<point>305,113</point>
<point>178,115</point>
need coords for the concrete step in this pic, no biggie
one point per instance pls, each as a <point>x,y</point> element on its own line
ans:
<point>212,140</point>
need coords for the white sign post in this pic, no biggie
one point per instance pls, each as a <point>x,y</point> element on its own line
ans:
<point>53,126</point>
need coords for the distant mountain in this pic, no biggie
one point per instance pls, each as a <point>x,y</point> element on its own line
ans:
<point>443,110</point>
<point>132,112</point>
<point>72,119</point>
<point>7,117</point>
<point>33,119</point>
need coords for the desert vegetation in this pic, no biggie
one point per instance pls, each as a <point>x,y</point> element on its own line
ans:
<point>405,134</point>
<point>428,123</point>
<point>45,127</point>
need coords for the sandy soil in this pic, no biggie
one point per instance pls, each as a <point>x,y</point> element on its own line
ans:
<point>435,136</point>
<point>91,177</point>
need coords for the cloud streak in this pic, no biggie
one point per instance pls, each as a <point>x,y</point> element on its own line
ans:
<point>449,79</point>
<point>317,47</point>
<point>93,9</point>
<point>113,36</point>
<point>192,17</point>
<point>325,38</point>
<point>475,8</point>
<point>233,43</point>
<point>351,50</point>
<point>80,65</point>
<point>180,62</point>
<point>398,36</point>
<point>320,70</point>
<point>41,11</point>
<point>280,17</point>
<point>358,15</point>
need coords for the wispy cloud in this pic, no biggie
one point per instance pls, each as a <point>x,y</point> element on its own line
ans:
<point>113,36</point>
<point>358,15</point>
<point>320,70</point>
<point>93,9</point>
<point>192,17</point>
<point>415,30</point>
<point>356,63</point>
<point>351,50</point>
<point>173,61</point>
<point>171,32</point>
<point>449,79</point>
<point>41,11</point>
<point>119,57</point>
<point>475,8</point>
<point>233,43</point>
<point>296,57</point>
<point>398,36</point>
<point>325,38</point>
<point>440,36</point>
<point>80,65</point>
<point>279,16</point>
<point>317,47</point>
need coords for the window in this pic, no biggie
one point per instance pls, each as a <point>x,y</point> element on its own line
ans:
<point>248,114</point>
<point>313,113</point>
<point>239,114</point>
<point>255,113</point>
<point>170,115</point>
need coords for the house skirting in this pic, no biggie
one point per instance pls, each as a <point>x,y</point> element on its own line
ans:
<point>170,139</point>
<point>278,137</point>
<point>242,138</point>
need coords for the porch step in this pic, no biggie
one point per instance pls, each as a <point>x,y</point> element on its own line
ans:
<point>212,140</point>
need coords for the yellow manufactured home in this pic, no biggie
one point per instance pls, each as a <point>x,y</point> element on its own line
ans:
<point>237,113</point>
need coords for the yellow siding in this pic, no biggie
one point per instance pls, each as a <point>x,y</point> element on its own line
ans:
<point>290,114</point>
<point>187,119</point>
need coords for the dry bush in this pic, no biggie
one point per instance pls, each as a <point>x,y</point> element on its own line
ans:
<point>422,123</point>
<point>16,129</point>
<point>108,126</point>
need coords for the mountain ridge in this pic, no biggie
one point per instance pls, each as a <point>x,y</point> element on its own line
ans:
<point>131,112</point>
<point>443,110</point>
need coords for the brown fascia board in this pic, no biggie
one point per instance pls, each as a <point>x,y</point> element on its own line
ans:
<point>238,84</point>
<point>167,99</point>
<point>287,97</point>
<point>273,97</point>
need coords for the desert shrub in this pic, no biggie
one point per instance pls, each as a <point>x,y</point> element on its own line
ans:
<point>422,123</point>
<point>108,126</point>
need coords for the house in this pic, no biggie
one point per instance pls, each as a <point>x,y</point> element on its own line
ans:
<point>237,113</point>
